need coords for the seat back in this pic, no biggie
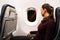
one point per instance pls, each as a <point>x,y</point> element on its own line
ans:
<point>8,20</point>
<point>0,22</point>
<point>57,15</point>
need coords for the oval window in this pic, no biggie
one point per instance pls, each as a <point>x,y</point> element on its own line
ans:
<point>31,14</point>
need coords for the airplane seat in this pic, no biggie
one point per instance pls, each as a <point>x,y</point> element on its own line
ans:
<point>57,14</point>
<point>8,20</point>
<point>0,20</point>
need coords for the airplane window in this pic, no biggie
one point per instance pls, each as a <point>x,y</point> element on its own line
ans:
<point>31,13</point>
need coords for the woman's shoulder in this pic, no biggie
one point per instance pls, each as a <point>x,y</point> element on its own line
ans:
<point>51,21</point>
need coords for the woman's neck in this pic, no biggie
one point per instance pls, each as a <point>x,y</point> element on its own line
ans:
<point>46,15</point>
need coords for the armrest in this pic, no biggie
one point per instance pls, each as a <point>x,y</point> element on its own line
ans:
<point>33,32</point>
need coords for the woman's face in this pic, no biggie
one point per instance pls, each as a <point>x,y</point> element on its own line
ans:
<point>42,12</point>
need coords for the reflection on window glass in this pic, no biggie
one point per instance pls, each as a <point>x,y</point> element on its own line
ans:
<point>31,13</point>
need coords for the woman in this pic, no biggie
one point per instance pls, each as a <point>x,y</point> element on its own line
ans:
<point>46,28</point>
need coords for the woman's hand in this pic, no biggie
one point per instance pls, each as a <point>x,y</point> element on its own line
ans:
<point>28,35</point>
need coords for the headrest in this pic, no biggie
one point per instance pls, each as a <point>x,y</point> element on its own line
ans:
<point>57,13</point>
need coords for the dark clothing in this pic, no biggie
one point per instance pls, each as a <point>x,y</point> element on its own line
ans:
<point>45,29</point>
